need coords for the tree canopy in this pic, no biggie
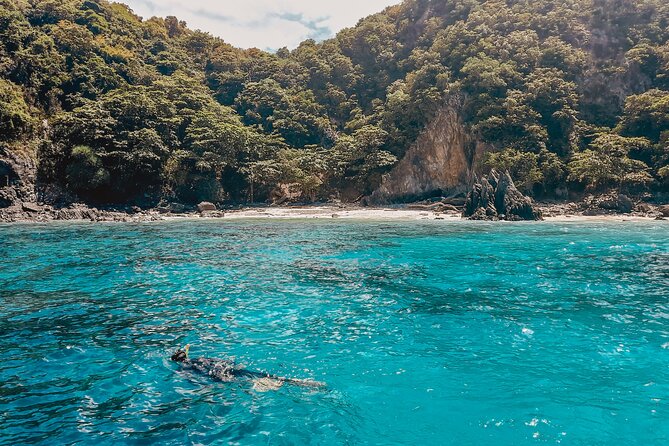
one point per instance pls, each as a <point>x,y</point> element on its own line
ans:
<point>569,93</point>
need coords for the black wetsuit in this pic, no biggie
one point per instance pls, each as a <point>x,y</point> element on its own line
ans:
<point>227,371</point>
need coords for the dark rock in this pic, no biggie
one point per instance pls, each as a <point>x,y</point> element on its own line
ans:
<point>175,208</point>
<point>68,214</point>
<point>136,209</point>
<point>480,202</point>
<point>664,210</point>
<point>17,171</point>
<point>88,214</point>
<point>592,212</point>
<point>497,198</point>
<point>280,200</point>
<point>482,214</point>
<point>206,206</point>
<point>625,204</point>
<point>511,203</point>
<point>7,197</point>
<point>178,208</point>
<point>31,207</point>
<point>81,212</point>
<point>611,202</point>
<point>455,201</point>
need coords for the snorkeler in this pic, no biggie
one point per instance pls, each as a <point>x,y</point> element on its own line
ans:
<point>228,371</point>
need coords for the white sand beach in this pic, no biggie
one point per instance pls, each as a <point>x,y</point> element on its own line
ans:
<point>364,213</point>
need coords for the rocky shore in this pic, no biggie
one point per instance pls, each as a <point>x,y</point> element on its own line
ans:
<point>612,205</point>
<point>591,208</point>
<point>33,212</point>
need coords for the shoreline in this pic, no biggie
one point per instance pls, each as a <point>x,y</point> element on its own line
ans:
<point>390,214</point>
<point>81,213</point>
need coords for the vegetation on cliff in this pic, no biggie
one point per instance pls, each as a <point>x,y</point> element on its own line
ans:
<point>572,94</point>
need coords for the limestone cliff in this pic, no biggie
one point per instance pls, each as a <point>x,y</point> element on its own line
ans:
<point>441,161</point>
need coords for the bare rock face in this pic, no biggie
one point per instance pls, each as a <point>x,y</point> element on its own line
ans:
<point>497,198</point>
<point>442,160</point>
<point>17,178</point>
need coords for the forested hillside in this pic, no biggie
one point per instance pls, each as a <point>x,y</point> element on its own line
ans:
<point>571,96</point>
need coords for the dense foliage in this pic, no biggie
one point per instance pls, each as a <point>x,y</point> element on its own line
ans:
<point>572,94</point>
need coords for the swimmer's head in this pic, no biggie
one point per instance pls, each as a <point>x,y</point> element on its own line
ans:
<point>181,354</point>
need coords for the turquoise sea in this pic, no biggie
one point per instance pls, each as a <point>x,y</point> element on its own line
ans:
<point>426,333</point>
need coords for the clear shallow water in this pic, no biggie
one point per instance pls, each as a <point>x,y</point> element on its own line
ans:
<point>426,332</point>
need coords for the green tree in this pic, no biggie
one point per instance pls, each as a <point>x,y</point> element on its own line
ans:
<point>523,167</point>
<point>360,159</point>
<point>553,172</point>
<point>154,99</point>
<point>85,172</point>
<point>607,164</point>
<point>16,118</point>
<point>191,179</point>
<point>646,115</point>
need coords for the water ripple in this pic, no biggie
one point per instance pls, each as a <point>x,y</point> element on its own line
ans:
<point>426,332</point>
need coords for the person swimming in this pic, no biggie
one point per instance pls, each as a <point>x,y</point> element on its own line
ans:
<point>227,371</point>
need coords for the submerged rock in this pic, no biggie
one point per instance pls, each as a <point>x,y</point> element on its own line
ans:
<point>497,198</point>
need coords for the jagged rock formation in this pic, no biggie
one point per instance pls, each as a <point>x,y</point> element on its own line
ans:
<point>497,198</point>
<point>441,162</point>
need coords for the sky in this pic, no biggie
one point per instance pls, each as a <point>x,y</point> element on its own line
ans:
<point>265,24</point>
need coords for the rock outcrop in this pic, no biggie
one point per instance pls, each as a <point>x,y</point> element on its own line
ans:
<point>497,198</point>
<point>286,193</point>
<point>441,162</point>
<point>609,203</point>
<point>664,210</point>
<point>32,207</point>
<point>7,197</point>
<point>206,206</point>
<point>17,178</point>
